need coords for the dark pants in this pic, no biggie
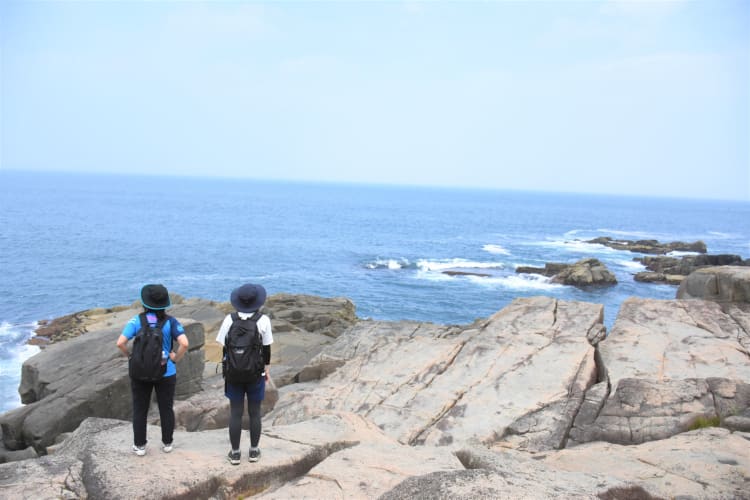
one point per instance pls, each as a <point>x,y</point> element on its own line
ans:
<point>235,421</point>
<point>141,400</point>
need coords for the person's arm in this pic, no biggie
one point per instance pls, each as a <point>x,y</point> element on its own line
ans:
<point>122,344</point>
<point>182,348</point>
<point>224,329</point>
<point>128,332</point>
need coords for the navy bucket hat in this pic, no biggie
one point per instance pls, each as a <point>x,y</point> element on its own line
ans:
<point>248,298</point>
<point>155,297</point>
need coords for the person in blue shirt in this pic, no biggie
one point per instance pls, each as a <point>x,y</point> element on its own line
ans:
<point>155,300</point>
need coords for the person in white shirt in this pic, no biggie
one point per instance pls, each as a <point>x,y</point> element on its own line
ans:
<point>247,300</point>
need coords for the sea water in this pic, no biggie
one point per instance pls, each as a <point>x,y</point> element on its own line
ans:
<point>70,242</point>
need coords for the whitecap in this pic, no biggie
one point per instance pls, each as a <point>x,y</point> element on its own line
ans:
<point>445,264</point>
<point>387,264</point>
<point>519,282</point>
<point>632,265</point>
<point>578,246</point>
<point>496,249</point>
<point>15,349</point>
<point>680,253</point>
<point>629,234</point>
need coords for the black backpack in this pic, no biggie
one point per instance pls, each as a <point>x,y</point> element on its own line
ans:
<point>146,359</point>
<point>243,351</point>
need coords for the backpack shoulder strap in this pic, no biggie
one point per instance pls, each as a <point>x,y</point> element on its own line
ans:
<point>144,321</point>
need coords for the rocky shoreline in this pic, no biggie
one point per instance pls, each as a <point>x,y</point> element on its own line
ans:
<point>534,401</point>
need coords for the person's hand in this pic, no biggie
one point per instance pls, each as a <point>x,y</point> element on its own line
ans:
<point>172,355</point>
<point>268,376</point>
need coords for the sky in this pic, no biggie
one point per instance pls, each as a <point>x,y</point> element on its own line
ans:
<point>631,97</point>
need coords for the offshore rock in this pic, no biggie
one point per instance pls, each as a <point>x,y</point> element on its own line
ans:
<point>650,246</point>
<point>584,273</point>
<point>673,270</point>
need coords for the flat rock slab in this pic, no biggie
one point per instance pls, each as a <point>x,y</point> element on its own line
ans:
<point>664,340</point>
<point>707,463</point>
<point>519,376</point>
<point>96,462</point>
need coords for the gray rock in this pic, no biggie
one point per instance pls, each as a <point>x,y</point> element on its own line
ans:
<point>720,284</point>
<point>585,272</point>
<point>83,377</point>
<point>686,264</point>
<point>14,455</point>
<point>650,246</point>
<point>518,376</point>
<point>653,277</point>
<point>671,366</point>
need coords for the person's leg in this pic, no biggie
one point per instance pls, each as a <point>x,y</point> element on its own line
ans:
<point>253,410</point>
<point>165,398</point>
<point>141,392</point>
<point>236,407</point>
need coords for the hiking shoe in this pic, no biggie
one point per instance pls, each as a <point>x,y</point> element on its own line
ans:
<point>234,457</point>
<point>166,448</point>
<point>254,454</point>
<point>139,450</point>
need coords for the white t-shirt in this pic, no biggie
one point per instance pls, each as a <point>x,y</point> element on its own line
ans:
<point>264,327</point>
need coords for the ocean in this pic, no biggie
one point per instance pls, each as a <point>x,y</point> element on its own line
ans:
<point>70,242</point>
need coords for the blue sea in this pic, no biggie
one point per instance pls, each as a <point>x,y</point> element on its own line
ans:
<point>70,242</point>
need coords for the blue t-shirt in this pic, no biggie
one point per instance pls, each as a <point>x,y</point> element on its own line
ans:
<point>171,330</point>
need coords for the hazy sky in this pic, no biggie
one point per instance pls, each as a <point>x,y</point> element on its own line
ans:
<point>636,97</point>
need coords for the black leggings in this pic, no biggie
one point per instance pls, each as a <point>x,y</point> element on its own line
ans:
<point>235,421</point>
<point>142,398</point>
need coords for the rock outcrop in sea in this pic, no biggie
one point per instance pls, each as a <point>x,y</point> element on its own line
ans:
<point>672,270</point>
<point>583,273</point>
<point>534,401</point>
<point>650,246</point>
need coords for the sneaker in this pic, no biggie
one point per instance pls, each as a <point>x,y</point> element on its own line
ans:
<point>139,450</point>
<point>166,448</point>
<point>254,454</point>
<point>234,457</point>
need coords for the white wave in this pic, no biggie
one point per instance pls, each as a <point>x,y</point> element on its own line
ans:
<point>388,264</point>
<point>680,253</point>
<point>496,249</point>
<point>15,338</point>
<point>441,265</point>
<point>519,282</point>
<point>572,233</point>
<point>629,234</point>
<point>723,236</point>
<point>578,246</point>
<point>633,265</point>
<point>424,274</point>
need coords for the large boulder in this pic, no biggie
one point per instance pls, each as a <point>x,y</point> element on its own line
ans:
<point>83,377</point>
<point>721,284</point>
<point>672,270</point>
<point>584,273</point>
<point>672,366</point>
<point>518,377</point>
